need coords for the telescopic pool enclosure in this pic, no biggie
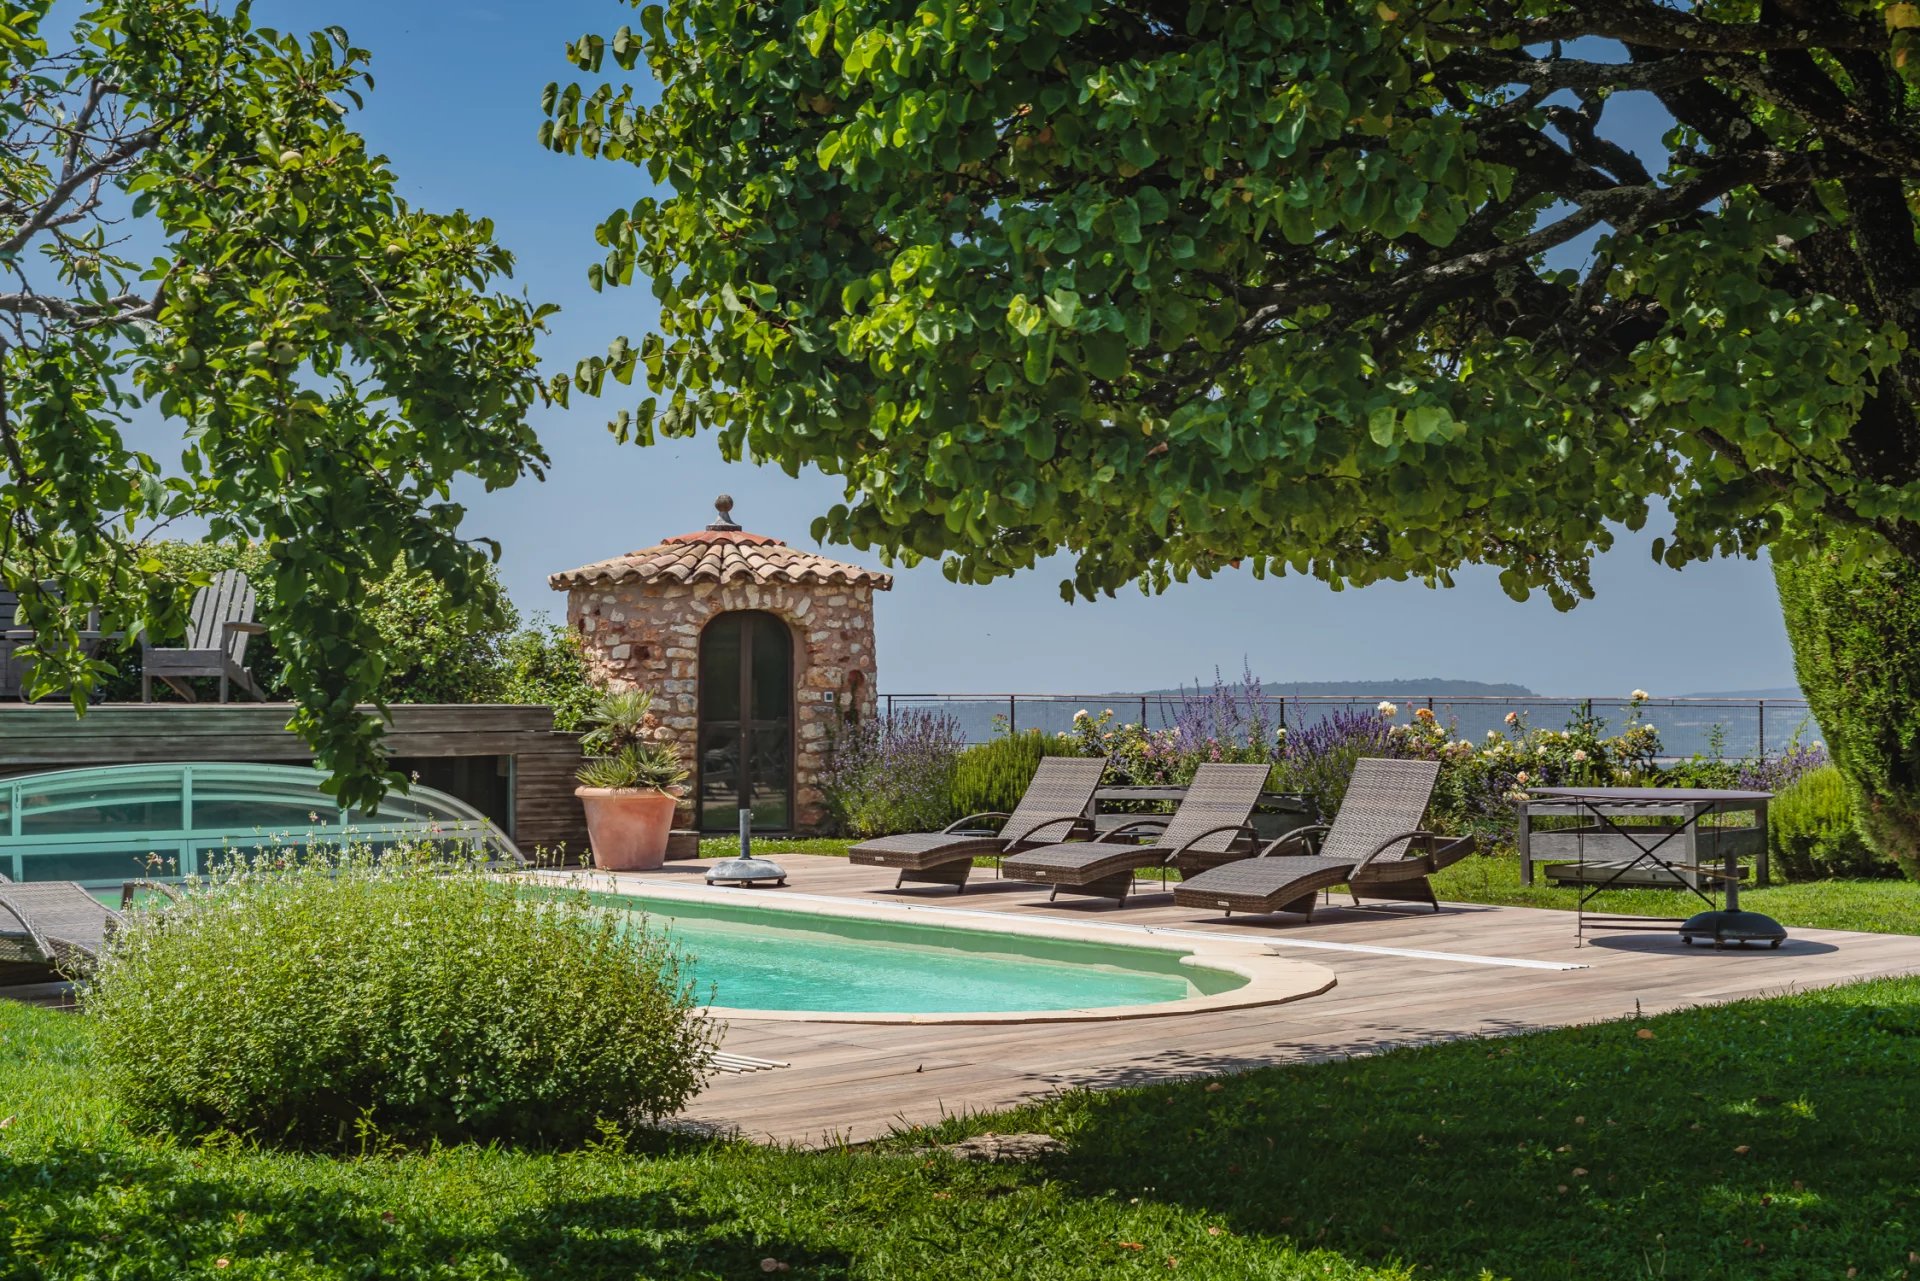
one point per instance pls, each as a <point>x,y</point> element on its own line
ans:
<point>102,825</point>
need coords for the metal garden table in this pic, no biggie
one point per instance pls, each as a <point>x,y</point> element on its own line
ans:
<point>1608,805</point>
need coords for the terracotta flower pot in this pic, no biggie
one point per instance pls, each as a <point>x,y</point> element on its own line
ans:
<point>628,826</point>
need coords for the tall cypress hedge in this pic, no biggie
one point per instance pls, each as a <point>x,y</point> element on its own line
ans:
<point>1854,619</point>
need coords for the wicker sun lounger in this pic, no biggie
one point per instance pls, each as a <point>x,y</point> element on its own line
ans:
<point>1211,827</point>
<point>1374,846</point>
<point>57,925</point>
<point>1053,808</point>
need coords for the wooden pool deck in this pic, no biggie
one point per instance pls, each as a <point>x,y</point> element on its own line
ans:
<point>1406,975</point>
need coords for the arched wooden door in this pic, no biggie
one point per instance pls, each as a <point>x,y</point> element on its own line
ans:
<point>746,722</point>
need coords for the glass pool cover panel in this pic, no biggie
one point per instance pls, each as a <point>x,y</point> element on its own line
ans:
<point>102,826</point>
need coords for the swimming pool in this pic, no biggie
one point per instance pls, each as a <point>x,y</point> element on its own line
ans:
<point>752,961</point>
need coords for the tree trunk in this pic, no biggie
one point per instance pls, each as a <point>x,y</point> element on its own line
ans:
<point>1853,615</point>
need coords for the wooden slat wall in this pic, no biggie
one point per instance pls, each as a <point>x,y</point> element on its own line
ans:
<point>44,736</point>
<point>548,821</point>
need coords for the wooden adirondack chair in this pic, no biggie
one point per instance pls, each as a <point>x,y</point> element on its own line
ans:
<point>217,632</point>
<point>15,636</point>
<point>13,672</point>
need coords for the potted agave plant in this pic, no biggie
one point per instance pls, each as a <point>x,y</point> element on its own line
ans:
<point>630,787</point>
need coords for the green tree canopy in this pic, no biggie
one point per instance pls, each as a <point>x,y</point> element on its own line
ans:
<point>189,226</point>
<point>1177,285</point>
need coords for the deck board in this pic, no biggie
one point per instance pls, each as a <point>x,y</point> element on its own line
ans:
<point>852,1082</point>
<point>855,1082</point>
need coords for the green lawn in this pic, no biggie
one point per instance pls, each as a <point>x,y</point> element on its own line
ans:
<point>1763,1140</point>
<point>1880,906</point>
<point>1883,907</point>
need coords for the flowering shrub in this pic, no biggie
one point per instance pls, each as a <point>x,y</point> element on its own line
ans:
<point>1223,723</point>
<point>1480,782</point>
<point>892,773</point>
<point>420,1000</point>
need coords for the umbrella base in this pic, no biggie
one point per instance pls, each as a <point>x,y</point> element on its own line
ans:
<point>1734,927</point>
<point>746,871</point>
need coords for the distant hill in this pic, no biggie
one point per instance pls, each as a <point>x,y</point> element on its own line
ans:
<point>1789,691</point>
<point>1418,688</point>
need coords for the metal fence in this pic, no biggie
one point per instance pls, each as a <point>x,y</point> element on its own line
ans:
<point>1732,727</point>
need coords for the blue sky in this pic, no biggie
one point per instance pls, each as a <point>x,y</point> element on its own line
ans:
<point>456,107</point>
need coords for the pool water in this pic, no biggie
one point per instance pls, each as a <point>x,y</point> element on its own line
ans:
<point>774,959</point>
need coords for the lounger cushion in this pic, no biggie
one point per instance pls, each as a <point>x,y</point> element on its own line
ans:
<point>71,920</point>
<point>1061,786</point>
<point>1265,882</point>
<point>1083,861</point>
<point>919,851</point>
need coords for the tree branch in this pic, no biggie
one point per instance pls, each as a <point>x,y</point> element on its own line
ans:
<point>77,137</point>
<point>119,310</point>
<point>72,182</point>
<point>1658,27</point>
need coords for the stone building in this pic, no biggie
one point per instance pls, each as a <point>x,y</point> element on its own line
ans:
<point>753,650</point>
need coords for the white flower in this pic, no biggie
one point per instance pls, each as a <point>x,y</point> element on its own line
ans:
<point>1493,733</point>
<point>1579,755</point>
<point>1108,712</point>
<point>1641,696</point>
<point>1081,715</point>
<point>1819,746</point>
<point>1387,709</point>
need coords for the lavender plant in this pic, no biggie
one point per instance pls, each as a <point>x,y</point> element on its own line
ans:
<point>1318,757</point>
<point>1226,722</point>
<point>1778,773</point>
<point>892,773</point>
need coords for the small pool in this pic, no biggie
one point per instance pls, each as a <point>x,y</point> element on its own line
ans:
<point>750,958</point>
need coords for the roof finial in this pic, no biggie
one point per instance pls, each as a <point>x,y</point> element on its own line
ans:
<point>724,506</point>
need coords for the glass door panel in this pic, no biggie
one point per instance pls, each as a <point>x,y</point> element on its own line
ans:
<point>746,722</point>
<point>769,760</point>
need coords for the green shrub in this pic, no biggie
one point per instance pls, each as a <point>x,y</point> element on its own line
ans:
<point>1812,831</point>
<point>1853,615</point>
<point>542,663</point>
<point>428,1002</point>
<point>990,777</point>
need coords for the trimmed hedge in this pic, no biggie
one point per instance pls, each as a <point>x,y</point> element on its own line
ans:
<point>1853,615</point>
<point>1813,831</point>
<point>991,776</point>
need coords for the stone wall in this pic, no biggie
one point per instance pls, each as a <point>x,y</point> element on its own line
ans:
<point>649,635</point>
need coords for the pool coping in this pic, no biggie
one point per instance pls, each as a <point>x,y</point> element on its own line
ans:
<point>1270,979</point>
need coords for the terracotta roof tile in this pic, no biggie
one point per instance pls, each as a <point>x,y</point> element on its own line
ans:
<point>720,556</point>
